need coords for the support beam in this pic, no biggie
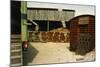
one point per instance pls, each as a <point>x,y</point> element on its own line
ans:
<point>63,24</point>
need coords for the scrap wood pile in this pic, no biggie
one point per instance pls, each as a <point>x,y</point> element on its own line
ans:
<point>56,35</point>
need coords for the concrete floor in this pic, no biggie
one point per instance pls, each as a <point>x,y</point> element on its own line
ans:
<point>49,53</point>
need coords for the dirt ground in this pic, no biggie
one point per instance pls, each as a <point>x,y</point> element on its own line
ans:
<point>49,53</point>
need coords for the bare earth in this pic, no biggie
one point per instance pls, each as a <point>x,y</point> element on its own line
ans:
<point>49,53</point>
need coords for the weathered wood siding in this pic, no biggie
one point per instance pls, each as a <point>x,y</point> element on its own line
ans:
<point>82,34</point>
<point>49,14</point>
<point>67,15</point>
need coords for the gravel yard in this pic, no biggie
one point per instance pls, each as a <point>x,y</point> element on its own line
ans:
<point>49,53</point>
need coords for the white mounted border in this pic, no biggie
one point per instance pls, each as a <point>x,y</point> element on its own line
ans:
<point>85,2</point>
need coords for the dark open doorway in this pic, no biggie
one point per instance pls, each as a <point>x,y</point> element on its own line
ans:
<point>15,17</point>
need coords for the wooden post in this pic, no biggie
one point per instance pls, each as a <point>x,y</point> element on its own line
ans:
<point>48,26</point>
<point>24,31</point>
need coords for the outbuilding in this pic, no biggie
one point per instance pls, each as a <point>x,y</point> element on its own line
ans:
<point>82,34</point>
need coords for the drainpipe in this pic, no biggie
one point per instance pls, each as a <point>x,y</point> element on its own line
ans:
<point>35,33</point>
<point>37,26</point>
